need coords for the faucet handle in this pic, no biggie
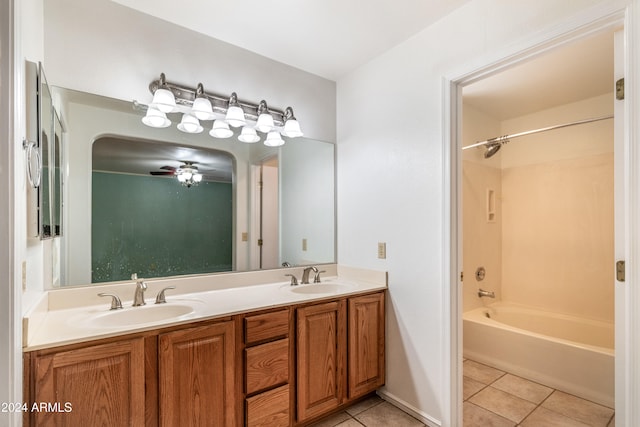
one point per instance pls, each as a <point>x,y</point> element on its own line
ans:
<point>294,281</point>
<point>316,278</point>
<point>115,300</point>
<point>160,299</point>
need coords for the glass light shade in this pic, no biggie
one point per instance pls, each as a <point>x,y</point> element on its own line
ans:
<point>265,122</point>
<point>189,124</point>
<point>248,135</point>
<point>235,116</point>
<point>164,100</point>
<point>197,177</point>
<point>220,130</point>
<point>156,118</point>
<point>186,175</point>
<point>273,139</point>
<point>182,178</point>
<point>202,109</point>
<point>292,129</point>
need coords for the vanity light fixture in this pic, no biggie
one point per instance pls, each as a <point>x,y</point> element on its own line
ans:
<point>163,98</point>
<point>265,119</point>
<point>196,105</point>
<point>156,118</point>
<point>189,124</point>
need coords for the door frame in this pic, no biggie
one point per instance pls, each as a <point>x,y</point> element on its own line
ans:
<point>606,15</point>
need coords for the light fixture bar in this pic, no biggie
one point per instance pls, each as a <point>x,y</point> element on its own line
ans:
<point>186,95</point>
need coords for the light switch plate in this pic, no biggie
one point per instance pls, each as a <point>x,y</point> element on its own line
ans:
<point>382,250</point>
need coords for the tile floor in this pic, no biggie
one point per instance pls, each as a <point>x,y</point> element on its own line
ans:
<point>492,398</point>
<point>372,412</point>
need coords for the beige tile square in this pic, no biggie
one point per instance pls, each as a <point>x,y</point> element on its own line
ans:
<point>475,416</point>
<point>470,387</point>
<point>386,415</point>
<point>479,372</point>
<point>364,405</point>
<point>612,423</point>
<point>332,420</point>
<point>579,409</point>
<point>524,389</point>
<point>503,404</point>
<point>547,418</point>
<point>350,423</point>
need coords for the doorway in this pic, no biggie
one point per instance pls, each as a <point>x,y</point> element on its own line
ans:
<point>623,386</point>
<point>538,238</point>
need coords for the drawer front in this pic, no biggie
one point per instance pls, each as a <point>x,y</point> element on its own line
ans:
<point>269,409</point>
<point>266,326</point>
<point>267,365</point>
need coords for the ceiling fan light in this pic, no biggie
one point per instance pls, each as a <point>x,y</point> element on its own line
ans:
<point>197,177</point>
<point>248,135</point>
<point>220,130</point>
<point>273,139</point>
<point>156,118</point>
<point>182,177</point>
<point>189,124</point>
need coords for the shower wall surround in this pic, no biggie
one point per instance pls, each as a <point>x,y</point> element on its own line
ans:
<point>555,219</point>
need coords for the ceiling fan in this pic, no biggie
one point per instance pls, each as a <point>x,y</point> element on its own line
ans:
<point>187,174</point>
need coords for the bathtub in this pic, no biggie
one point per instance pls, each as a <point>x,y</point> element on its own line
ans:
<point>564,352</point>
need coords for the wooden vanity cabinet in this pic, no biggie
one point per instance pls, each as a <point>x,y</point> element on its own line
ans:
<point>197,376</point>
<point>97,385</point>
<point>340,353</point>
<point>272,368</point>
<point>366,344</point>
<point>267,367</point>
<point>321,358</point>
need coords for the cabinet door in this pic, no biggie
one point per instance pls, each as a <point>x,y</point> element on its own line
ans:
<point>366,344</point>
<point>321,355</point>
<point>197,376</point>
<point>101,385</point>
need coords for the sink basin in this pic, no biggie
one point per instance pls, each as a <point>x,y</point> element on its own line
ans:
<point>140,315</point>
<point>319,288</point>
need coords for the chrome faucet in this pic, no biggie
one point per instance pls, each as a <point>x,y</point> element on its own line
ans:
<point>305,275</point>
<point>141,286</point>
<point>483,293</point>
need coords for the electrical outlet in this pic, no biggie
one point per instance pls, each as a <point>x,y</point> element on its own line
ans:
<point>304,244</point>
<point>382,250</point>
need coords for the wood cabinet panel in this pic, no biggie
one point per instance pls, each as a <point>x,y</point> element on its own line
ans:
<point>197,376</point>
<point>321,352</point>
<point>104,384</point>
<point>366,344</point>
<point>267,365</point>
<point>269,409</point>
<point>266,326</point>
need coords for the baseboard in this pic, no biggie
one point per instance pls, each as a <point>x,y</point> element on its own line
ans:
<point>409,409</point>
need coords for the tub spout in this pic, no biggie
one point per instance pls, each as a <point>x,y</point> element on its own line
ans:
<point>483,293</point>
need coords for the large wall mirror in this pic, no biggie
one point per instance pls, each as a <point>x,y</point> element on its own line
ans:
<point>126,211</point>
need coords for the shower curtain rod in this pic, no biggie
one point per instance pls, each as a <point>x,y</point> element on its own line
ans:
<point>505,138</point>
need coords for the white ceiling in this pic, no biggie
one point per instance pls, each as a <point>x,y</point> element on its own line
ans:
<point>332,37</point>
<point>324,37</point>
<point>574,72</point>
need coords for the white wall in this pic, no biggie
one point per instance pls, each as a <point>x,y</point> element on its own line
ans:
<point>105,48</point>
<point>390,178</point>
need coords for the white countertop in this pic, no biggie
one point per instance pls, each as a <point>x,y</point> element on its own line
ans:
<point>61,318</point>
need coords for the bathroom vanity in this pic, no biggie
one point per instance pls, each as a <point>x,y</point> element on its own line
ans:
<point>302,355</point>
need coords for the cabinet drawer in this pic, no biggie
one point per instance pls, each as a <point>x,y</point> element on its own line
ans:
<point>267,365</point>
<point>266,326</point>
<point>269,409</point>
